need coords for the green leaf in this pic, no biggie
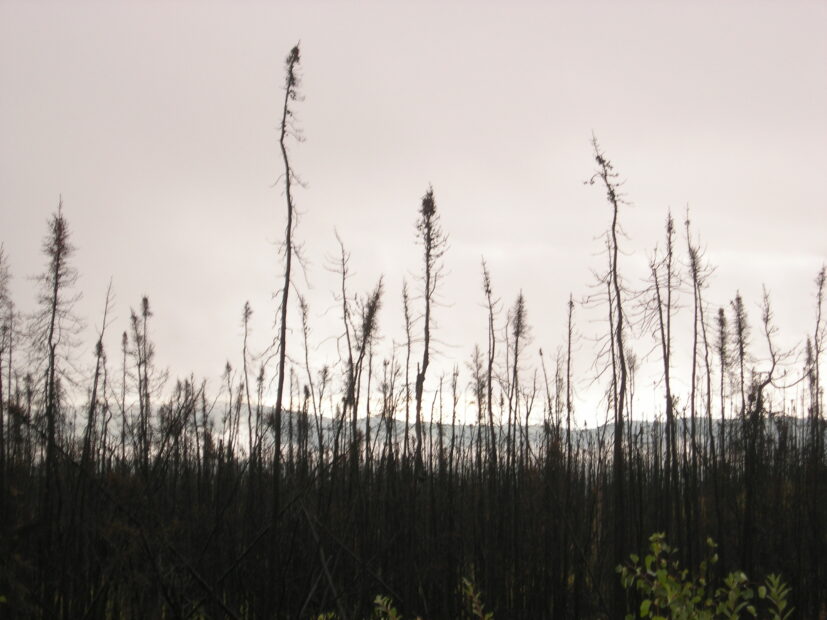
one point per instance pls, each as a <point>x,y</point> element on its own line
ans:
<point>644,608</point>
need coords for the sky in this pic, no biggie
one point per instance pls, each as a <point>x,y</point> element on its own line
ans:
<point>157,123</point>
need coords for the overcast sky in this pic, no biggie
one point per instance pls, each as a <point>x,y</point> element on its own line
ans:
<point>157,122</point>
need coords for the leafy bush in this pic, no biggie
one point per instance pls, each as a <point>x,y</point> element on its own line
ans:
<point>670,592</point>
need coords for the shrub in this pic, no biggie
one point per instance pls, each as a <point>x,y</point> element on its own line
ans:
<point>668,591</point>
<point>384,609</point>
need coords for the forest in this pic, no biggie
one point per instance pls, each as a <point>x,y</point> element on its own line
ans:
<point>301,490</point>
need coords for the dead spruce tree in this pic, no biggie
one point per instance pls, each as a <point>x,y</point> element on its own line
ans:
<point>519,335</point>
<point>246,313</point>
<point>815,458</point>
<point>98,388</point>
<point>53,329</point>
<point>724,358</point>
<point>815,349</point>
<point>406,309</point>
<point>5,345</point>
<point>360,334</point>
<point>491,307</point>
<point>659,309</point>
<point>699,272</point>
<point>291,84</point>
<point>740,343</point>
<point>143,354</point>
<point>606,175</point>
<point>434,243</point>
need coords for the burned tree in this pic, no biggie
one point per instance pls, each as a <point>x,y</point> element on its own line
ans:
<point>143,354</point>
<point>6,326</point>
<point>609,178</point>
<point>434,244</point>
<point>52,329</point>
<point>490,303</point>
<point>740,341</point>
<point>664,283</point>
<point>291,84</point>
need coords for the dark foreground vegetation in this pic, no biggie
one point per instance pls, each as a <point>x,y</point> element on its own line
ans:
<point>158,500</point>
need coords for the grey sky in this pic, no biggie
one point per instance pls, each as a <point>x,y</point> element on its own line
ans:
<point>157,123</point>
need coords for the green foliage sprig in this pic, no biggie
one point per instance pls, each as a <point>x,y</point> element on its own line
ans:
<point>384,609</point>
<point>670,592</point>
<point>474,601</point>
